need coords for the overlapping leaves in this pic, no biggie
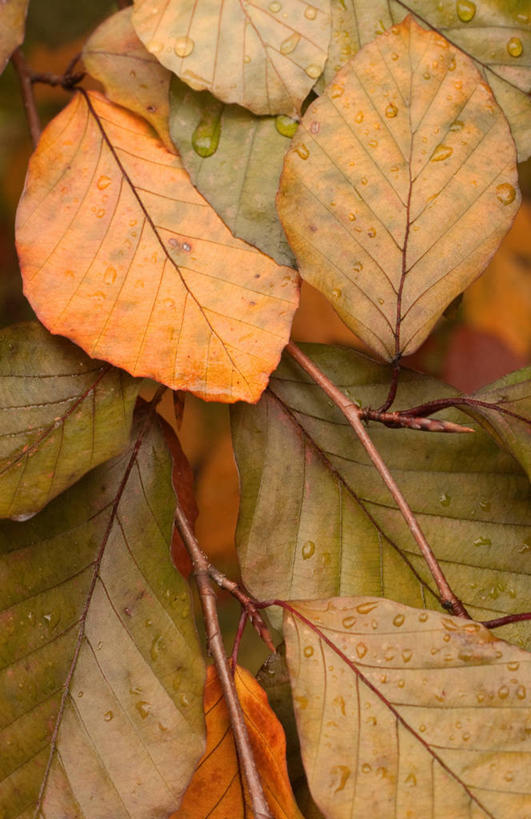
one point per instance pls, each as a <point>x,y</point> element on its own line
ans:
<point>100,687</point>
<point>399,186</point>
<point>408,711</point>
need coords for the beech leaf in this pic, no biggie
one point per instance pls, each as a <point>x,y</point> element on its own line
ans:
<point>419,714</point>
<point>399,186</point>
<point>332,527</point>
<point>62,414</point>
<point>262,55</point>
<point>234,159</point>
<point>131,76</point>
<point>12,26</point>
<point>100,688</point>
<point>216,787</point>
<point>157,285</point>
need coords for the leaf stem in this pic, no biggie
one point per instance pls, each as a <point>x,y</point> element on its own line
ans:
<point>460,401</point>
<point>202,572</point>
<point>397,419</point>
<point>24,75</point>
<point>351,412</point>
<point>505,621</point>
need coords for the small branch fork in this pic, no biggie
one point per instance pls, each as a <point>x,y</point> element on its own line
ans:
<point>202,572</point>
<point>353,415</point>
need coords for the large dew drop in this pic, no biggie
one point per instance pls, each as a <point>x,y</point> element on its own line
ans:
<point>286,125</point>
<point>290,43</point>
<point>465,10</point>
<point>505,193</point>
<point>183,46</point>
<point>441,152</point>
<point>515,47</point>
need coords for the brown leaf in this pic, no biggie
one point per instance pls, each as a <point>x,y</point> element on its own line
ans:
<point>216,787</point>
<point>12,24</point>
<point>399,185</point>
<point>119,252</point>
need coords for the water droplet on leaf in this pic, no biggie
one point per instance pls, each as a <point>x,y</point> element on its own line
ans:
<point>286,125</point>
<point>310,12</point>
<point>103,182</point>
<point>505,193</point>
<point>391,111</point>
<point>183,46</point>
<point>515,47</point>
<point>441,152</point>
<point>308,549</point>
<point>302,151</point>
<point>290,43</point>
<point>465,10</point>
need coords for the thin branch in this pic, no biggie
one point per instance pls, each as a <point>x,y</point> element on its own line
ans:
<point>460,401</point>
<point>352,413</point>
<point>248,603</point>
<point>237,640</point>
<point>397,419</point>
<point>24,75</point>
<point>217,649</point>
<point>505,621</point>
<point>391,395</point>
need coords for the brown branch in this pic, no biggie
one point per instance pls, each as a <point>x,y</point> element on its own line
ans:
<point>460,401</point>
<point>217,649</point>
<point>352,413</point>
<point>397,419</point>
<point>24,75</point>
<point>248,603</point>
<point>505,621</point>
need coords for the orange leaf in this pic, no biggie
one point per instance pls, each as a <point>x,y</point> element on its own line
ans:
<point>216,789</point>
<point>121,254</point>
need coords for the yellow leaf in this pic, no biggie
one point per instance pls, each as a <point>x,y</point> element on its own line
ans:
<point>216,787</point>
<point>132,77</point>
<point>121,254</point>
<point>399,186</point>
<point>264,55</point>
<point>12,24</point>
<point>407,712</point>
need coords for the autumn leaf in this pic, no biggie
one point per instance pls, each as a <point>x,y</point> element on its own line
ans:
<point>263,55</point>
<point>495,33</point>
<point>332,527</point>
<point>407,712</point>
<point>100,688</point>
<point>399,186</point>
<point>131,76</point>
<point>121,254</point>
<point>216,787</point>
<point>12,25</point>
<point>62,414</point>
<point>234,159</point>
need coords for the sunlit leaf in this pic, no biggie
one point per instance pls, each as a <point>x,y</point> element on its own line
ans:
<point>234,158</point>
<point>510,424</point>
<point>316,519</point>
<point>496,33</point>
<point>100,692</point>
<point>399,186</point>
<point>420,714</point>
<point>216,787</point>
<point>12,24</point>
<point>132,77</point>
<point>122,255</point>
<point>61,414</point>
<point>264,55</point>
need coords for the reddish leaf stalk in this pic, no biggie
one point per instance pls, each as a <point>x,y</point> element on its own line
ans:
<point>352,413</point>
<point>217,649</point>
<point>505,621</point>
<point>397,419</point>
<point>24,75</point>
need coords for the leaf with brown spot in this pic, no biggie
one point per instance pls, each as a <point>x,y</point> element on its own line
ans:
<point>263,55</point>
<point>216,787</point>
<point>399,186</point>
<point>132,77</point>
<point>406,712</point>
<point>120,253</point>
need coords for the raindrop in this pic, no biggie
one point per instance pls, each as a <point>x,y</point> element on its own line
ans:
<point>23,517</point>
<point>411,780</point>
<point>156,647</point>
<point>99,296</point>
<point>445,499</point>
<point>484,504</point>
<point>361,650</point>
<point>169,303</point>
<point>521,692</point>
<point>205,138</point>
<point>503,692</point>
<point>364,180</point>
<point>482,541</point>
<point>80,693</point>
<point>352,217</point>
<point>143,708</point>
<point>313,71</point>
<point>366,608</point>
<point>340,775</point>
<point>308,651</point>
<point>513,666</point>
<point>290,43</point>
<point>184,700</point>
<point>308,550</point>
<point>275,7</point>
<point>103,182</point>
<point>514,47</point>
<point>398,620</point>
<point>302,151</point>
<point>380,300</point>
<point>349,621</point>
<point>310,12</point>
<point>336,91</point>
<point>423,617</point>
<point>366,768</point>
<point>359,117</point>
<point>422,728</point>
<point>427,75</point>
<point>391,111</point>
<point>286,125</point>
<point>505,193</point>
<point>465,10</point>
<point>336,293</point>
<point>315,127</point>
<point>108,716</point>
<point>100,213</point>
<point>394,56</point>
<point>457,125</point>
<point>371,233</point>
<point>110,275</point>
<point>183,46</point>
<point>458,85</point>
<point>186,247</point>
<point>373,143</point>
<point>247,59</point>
<point>155,47</point>
<point>441,152</point>
<point>407,655</point>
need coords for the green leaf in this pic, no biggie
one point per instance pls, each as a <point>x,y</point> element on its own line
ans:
<point>12,25</point>
<point>264,55</point>
<point>404,712</point>
<point>132,77</point>
<point>317,521</point>
<point>496,33</point>
<point>511,424</point>
<point>234,159</point>
<point>101,687</point>
<point>398,187</point>
<point>62,414</point>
